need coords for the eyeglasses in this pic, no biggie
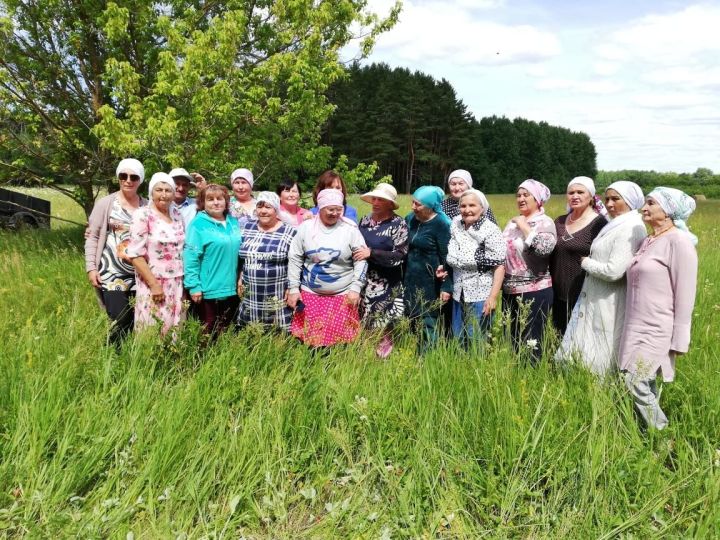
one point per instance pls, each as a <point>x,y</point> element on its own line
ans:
<point>133,177</point>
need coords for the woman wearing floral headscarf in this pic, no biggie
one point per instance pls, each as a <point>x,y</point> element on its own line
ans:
<point>575,232</point>
<point>530,239</point>
<point>661,284</point>
<point>595,327</point>
<point>429,234</point>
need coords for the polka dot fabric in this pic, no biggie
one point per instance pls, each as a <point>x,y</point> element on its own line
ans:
<point>325,320</point>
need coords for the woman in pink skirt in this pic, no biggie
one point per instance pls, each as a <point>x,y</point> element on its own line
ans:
<point>324,282</point>
<point>157,238</point>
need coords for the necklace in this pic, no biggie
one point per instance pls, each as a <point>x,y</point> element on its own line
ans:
<point>663,231</point>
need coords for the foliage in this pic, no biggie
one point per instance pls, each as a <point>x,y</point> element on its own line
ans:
<point>256,437</point>
<point>206,85</point>
<point>418,131</point>
<point>702,182</point>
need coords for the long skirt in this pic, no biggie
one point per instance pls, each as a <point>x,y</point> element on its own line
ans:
<point>170,312</point>
<point>325,320</point>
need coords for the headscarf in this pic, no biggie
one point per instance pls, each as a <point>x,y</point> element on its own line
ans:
<point>539,191</point>
<point>246,174</point>
<point>432,196</point>
<point>630,192</point>
<point>331,197</point>
<point>270,198</point>
<point>481,197</point>
<point>677,205</point>
<point>633,197</point>
<point>158,178</point>
<point>588,184</point>
<point>133,166</point>
<point>463,175</point>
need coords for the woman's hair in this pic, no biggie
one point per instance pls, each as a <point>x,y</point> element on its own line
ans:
<point>213,188</point>
<point>286,185</point>
<point>325,180</point>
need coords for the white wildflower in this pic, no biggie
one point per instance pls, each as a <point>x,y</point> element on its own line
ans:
<point>532,344</point>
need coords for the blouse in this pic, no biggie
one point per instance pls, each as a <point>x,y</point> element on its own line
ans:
<point>527,263</point>
<point>160,242</point>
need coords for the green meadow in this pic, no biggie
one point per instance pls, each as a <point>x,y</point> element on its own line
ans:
<point>257,438</point>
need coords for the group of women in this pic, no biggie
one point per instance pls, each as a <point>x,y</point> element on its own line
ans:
<point>619,298</point>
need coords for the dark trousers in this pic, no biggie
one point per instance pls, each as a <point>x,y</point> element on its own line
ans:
<point>217,315</point>
<point>121,313</point>
<point>562,310</point>
<point>529,336</point>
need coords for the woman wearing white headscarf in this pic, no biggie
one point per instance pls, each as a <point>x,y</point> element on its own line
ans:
<point>661,284</point>
<point>108,268</point>
<point>458,182</point>
<point>575,233</point>
<point>157,239</point>
<point>593,334</point>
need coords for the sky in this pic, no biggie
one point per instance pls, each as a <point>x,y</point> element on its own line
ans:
<point>641,78</point>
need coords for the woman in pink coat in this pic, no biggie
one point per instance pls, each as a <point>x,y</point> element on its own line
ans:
<point>661,282</point>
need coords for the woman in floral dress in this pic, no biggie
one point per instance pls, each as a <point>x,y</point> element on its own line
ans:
<point>386,236</point>
<point>157,238</point>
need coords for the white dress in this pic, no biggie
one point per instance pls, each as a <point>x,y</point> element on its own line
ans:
<point>595,328</point>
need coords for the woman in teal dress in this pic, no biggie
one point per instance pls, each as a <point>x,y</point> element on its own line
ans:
<point>427,284</point>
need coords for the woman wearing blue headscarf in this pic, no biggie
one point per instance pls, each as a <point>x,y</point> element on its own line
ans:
<point>429,234</point>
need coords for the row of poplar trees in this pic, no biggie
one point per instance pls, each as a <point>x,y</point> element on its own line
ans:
<point>418,131</point>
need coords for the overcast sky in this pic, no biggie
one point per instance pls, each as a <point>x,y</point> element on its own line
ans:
<point>641,77</point>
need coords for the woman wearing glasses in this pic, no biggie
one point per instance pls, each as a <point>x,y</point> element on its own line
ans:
<point>108,268</point>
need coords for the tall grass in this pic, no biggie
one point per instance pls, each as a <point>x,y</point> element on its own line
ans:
<point>258,437</point>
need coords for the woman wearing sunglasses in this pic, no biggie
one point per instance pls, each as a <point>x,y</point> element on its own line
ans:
<point>108,268</point>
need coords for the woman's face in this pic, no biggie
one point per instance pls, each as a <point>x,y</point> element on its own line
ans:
<point>578,197</point>
<point>266,213</point>
<point>241,189</point>
<point>457,187</point>
<point>526,203</point>
<point>215,204</point>
<point>652,213</point>
<point>380,206</point>
<point>422,212</point>
<point>615,204</point>
<point>330,215</point>
<point>290,197</point>
<point>162,196</point>
<point>470,209</point>
<point>336,184</point>
<point>129,182</point>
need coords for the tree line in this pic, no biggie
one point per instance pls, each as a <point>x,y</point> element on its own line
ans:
<point>417,131</point>
<point>701,182</point>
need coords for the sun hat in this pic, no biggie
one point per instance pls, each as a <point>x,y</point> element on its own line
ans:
<point>179,172</point>
<point>382,191</point>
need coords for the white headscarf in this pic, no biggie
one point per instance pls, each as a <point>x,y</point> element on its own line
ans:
<point>270,198</point>
<point>158,178</point>
<point>131,166</point>
<point>246,174</point>
<point>630,192</point>
<point>678,206</point>
<point>463,175</point>
<point>588,184</point>
<point>480,196</point>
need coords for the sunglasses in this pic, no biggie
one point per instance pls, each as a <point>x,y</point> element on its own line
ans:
<point>133,177</point>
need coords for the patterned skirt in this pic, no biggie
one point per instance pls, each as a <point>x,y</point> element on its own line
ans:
<point>170,313</point>
<point>325,320</point>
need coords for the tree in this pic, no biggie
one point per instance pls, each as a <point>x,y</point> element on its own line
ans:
<point>202,84</point>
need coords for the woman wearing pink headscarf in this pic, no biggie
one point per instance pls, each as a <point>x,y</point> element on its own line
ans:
<point>324,282</point>
<point>530,239</point>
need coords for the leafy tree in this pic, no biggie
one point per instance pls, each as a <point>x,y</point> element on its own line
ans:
<point>202,84</point>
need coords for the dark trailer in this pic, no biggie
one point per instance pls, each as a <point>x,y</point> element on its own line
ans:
<point>18,210</point>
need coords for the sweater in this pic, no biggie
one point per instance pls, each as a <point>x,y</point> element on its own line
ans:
<point>211,256</point>
<point>320,259</point>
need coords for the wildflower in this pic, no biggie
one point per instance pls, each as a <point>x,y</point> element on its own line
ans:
<point>361,401</point>
<point>532,344</point>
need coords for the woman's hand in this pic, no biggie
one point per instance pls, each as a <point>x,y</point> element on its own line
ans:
<point>522,224</point>
<point>200,182</point>
<point>197,297</point>
<point>157,293</point>
<point>352,298</point>
<point>445,297</point>
<point>441,273</point>
<point>361,253</point>
<point>292,300</point>
<point>240,288</point>
<point>308,215</point>
<point>489,307</point>
<point>94,278</point>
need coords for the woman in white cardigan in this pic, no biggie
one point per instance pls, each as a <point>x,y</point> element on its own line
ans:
<point>593,334</point>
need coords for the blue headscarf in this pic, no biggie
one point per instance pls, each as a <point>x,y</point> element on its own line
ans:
<point>677,205</point>
<point>431,196</point>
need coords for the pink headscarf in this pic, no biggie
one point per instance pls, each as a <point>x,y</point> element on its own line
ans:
<point>332,197</point>
<point>538,190</point>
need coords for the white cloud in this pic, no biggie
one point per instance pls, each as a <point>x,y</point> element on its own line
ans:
<point>670,100</point>
<point>584,87</point>
<point>606,68</point>
<point>454,34</point>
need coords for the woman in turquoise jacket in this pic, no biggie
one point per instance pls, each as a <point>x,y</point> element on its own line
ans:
<point>212,243</point>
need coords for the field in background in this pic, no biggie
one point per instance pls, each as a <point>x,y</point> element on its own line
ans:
<point>256,437</point>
